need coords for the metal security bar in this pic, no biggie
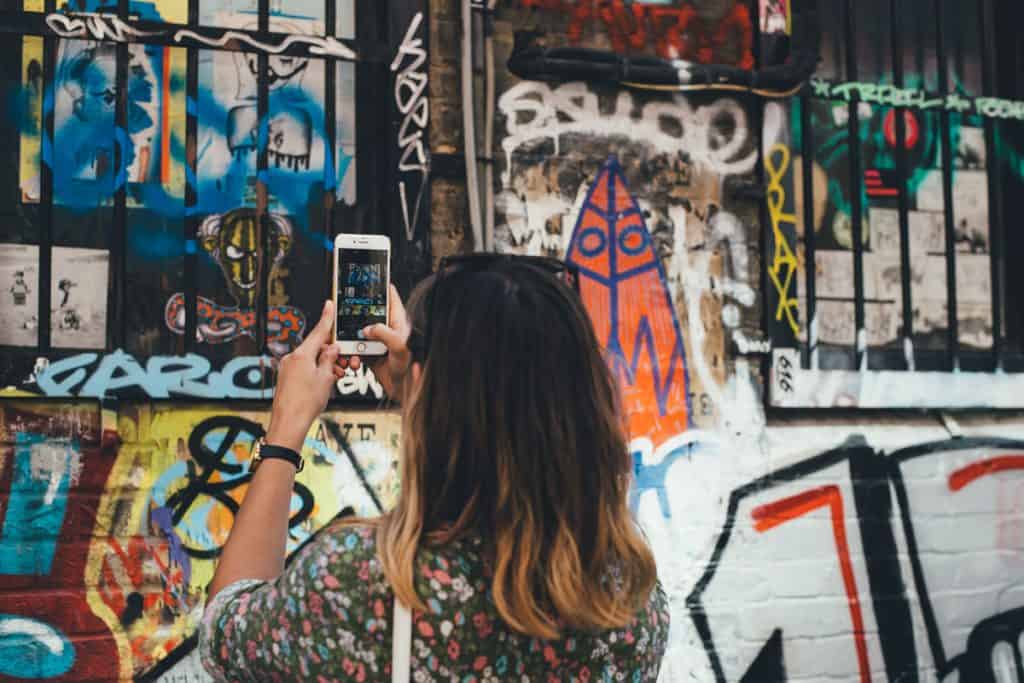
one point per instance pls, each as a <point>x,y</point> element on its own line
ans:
<point>932,50</point>
<point>379,31</point>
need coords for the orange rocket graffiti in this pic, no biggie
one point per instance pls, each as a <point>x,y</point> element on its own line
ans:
<point>623,286</point>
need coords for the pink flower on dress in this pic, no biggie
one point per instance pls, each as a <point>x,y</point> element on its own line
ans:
<point>316,603</point>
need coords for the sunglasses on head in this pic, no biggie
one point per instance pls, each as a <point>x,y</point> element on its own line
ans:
<point>478,262</point>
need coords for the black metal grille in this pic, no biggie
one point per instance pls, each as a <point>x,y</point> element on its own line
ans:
<point>910,127</point>
<point>155,254</point>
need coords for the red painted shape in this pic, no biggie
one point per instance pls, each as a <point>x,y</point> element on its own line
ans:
<point>771,515</point>
<point>675,32</point>
<point>629,302</point>
<point>911,128</point>
<point>983,468</point>
<point>875,187</point>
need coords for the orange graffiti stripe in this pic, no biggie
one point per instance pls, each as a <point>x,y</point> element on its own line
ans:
<point>976,470</point>
<point>165,129</point>
<point>771,515</point>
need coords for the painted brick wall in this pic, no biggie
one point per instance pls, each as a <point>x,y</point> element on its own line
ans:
<point>112,519</point>
<point>812,546</point>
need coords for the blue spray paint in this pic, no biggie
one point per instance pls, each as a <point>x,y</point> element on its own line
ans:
<point>31,649</point>
<point>37,504</point>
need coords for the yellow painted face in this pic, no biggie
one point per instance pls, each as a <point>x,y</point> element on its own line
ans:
<point>240,254</point>
<point>233,240</point>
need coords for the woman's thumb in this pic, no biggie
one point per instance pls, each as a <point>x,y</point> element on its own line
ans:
<point>328,358</point>
<point>383,333</point>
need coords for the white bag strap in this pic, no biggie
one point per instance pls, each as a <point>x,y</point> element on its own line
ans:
<point>401,644</point>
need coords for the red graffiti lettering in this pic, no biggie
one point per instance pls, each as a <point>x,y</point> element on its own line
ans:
<point>678,32</point>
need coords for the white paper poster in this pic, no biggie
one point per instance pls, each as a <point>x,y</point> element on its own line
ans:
<point>19,294</point>
<point>78,298</point>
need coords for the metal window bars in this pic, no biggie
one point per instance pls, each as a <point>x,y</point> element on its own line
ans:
<point>945,50</point>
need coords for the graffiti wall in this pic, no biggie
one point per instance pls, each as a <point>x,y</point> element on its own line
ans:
<point>794,547</point>
<point>113,520</point>
<point>747,259</point>
<point>174,175</point>
<point>174,179</point>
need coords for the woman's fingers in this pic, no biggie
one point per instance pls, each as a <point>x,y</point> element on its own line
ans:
<point>398,319</point>
<point>328,357</point>
<point>394,340</point>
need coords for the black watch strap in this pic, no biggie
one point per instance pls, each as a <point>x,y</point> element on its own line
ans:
<point>270,452</point>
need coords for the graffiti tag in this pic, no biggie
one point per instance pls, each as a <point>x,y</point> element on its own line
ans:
<point>413,105</point>
<point>912,98</point>
<point>95,25</point>
<point>205,462</point>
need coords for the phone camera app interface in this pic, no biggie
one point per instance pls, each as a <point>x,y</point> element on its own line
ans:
<point>362,291</point>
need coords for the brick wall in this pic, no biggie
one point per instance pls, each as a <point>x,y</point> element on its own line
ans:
<point>803,546</point>
<point>112,520</point>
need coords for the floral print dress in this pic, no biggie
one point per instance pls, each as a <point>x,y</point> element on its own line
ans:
<point>328,618</point>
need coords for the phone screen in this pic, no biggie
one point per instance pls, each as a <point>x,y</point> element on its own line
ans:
<point>362,290</point>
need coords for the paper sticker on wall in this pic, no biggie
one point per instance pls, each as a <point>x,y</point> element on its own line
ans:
<point>31,116</point>
<point>78,298</point>
<point>775,16</point>
<point>19,294</point>
<point>242,13</point>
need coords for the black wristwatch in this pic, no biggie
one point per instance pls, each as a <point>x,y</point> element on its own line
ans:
<point>264,451</point>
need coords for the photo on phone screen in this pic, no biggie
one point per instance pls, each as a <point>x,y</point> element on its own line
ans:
<point>362,291</point>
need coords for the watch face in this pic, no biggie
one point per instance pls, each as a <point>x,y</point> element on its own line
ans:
<point>256,458</point>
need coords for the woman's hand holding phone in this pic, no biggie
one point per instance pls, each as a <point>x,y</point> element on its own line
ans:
<point>390,369</point>
<point>304,382</point>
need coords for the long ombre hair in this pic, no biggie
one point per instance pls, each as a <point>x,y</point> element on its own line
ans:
<point>513,432</point>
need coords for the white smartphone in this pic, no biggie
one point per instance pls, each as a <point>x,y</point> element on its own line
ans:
<point>362,271</point>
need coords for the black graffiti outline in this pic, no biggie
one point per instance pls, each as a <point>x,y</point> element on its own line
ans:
<point>944,665</point>
<point>181,501</point>
<point>189,644</point>
<point>875,513</point>
<point>338,436</point>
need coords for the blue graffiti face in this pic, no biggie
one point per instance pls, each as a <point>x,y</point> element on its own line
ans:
<point>92,157</point>
<point>91,83</point>
<point>90,79</point>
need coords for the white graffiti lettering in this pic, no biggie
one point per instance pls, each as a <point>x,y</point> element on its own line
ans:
<point>95,25</point>
<point>50,462</point>
<point>715,135</point>
<point>411,101</point>
<point>892,96</point>
<point>320,46</point>
<point>90,375</point>
<point>162,377</point>
<point>361,381</point>
<point>747,346</point>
